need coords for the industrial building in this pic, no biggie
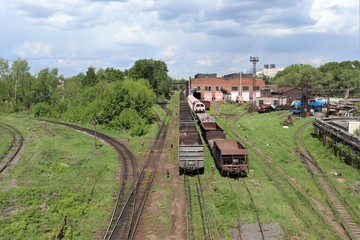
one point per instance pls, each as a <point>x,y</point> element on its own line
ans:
<point>209,87</point>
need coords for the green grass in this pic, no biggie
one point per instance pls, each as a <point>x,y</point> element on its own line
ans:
<point>60,173</point>
<point>5,141</point>
<point>265,132</point>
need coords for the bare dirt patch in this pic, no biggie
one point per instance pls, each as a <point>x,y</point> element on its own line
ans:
<point>10,184</point>
<point>163,215</point>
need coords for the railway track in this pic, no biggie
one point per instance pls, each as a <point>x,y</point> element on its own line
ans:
<point>14,148</point>
<point>193,190</point>
<point>240,185</point>
<point>296,197</point>
<point>237,209</point>
<point>344,213</point>
<point>128,174</point>
<point>127,221</point>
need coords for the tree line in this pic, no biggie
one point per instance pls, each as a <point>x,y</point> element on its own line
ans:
<point>120,99</point>
<point>123,99</point>
<point>331,75</point>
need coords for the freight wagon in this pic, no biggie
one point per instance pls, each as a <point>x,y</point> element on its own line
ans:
<point>191,152</point>
<point>230,157</point>
<point>191,147</point>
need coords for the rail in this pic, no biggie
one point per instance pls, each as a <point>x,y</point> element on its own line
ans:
<point>14,148</point>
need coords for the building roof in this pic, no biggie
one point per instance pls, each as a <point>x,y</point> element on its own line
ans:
<point>285,89</point>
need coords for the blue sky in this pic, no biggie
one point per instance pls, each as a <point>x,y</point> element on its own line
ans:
<point>191,36</point>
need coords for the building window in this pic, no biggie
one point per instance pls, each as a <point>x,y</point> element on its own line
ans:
<point>245,88</point>
<point>261,102</point>
<point>256,88</point>
<point>197,88</point>
<point>218,88</point>
<point>234,88</point>
<point>207,88</point>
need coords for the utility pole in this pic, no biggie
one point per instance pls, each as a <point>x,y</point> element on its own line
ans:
<point>254,60</point>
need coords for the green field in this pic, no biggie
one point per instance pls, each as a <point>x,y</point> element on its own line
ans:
<point>61,174</point>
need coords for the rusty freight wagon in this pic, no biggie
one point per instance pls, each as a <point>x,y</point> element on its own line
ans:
<point>230,157</point>
<point>212,131</point>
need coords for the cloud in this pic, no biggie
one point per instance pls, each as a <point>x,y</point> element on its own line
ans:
<point>191,36</point>
<point>339,16</point>
<point>68,14</point>
<point>34,50</point>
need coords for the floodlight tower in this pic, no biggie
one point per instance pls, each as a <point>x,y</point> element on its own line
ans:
<point>254,60</point>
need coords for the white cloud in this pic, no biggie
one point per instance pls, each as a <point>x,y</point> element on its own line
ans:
<point>170,51</point>
<point>191,36</point>
<point>34,50</point>
<point>339,16</point>
<point>204,62</point>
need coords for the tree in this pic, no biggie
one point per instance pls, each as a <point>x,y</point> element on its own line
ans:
<point>4,81</point>
<point>134,94</point>
<point>46,85</point>
<point>20,78</point>
<point>90,77</point>
<point>110,74</point>
<point>155,71</point>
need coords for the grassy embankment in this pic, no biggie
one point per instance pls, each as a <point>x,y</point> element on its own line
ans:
<point>266,133</point>
<point>61,174</point>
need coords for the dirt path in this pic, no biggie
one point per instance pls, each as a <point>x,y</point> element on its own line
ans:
<point>163,215</point>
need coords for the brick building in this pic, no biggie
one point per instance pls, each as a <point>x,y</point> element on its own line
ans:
<point>209,87</point>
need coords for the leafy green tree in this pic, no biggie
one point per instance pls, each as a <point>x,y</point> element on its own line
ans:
<point>20,77</point>
<point>46,86</point>
<point>110,74</point>
<point>90,78</point>
<point>4,82</point>
<point>155,71</point>
<point>130,119</point>
<point>83,104</point>
<point>134,94</point>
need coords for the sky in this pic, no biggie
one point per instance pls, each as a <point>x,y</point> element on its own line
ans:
<point>190,36</point>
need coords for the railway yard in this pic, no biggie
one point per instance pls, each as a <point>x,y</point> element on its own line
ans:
<point>268,182</point>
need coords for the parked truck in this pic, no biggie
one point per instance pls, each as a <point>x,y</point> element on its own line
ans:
<point>315,104</point>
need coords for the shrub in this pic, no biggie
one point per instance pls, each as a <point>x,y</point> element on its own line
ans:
<point>130,119</point>
<point>42,109</point>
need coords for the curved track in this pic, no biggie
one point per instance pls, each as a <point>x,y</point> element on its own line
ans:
<point>193,230</point>
<point>296,197</point>
<point>343,212</point>
<point>128,174</point>
<point>13,150</point>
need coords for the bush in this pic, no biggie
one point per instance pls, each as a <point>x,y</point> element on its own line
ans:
<point>131,120</point>
<point>42,109</point>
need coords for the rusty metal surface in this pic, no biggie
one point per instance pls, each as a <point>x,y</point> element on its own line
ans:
<point>211,126</point>
<point>190,138</point>
<point>187,126</point>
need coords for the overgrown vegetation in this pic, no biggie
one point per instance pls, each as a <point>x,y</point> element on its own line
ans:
<point>109,95</point>
<point>265,132</point>
<point>52,181</point>
<point>333,75</point>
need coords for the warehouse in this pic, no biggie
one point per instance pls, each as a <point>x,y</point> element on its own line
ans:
<point>209,87</point>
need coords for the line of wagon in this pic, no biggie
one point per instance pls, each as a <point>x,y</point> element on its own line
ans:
<point>230,156</point>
